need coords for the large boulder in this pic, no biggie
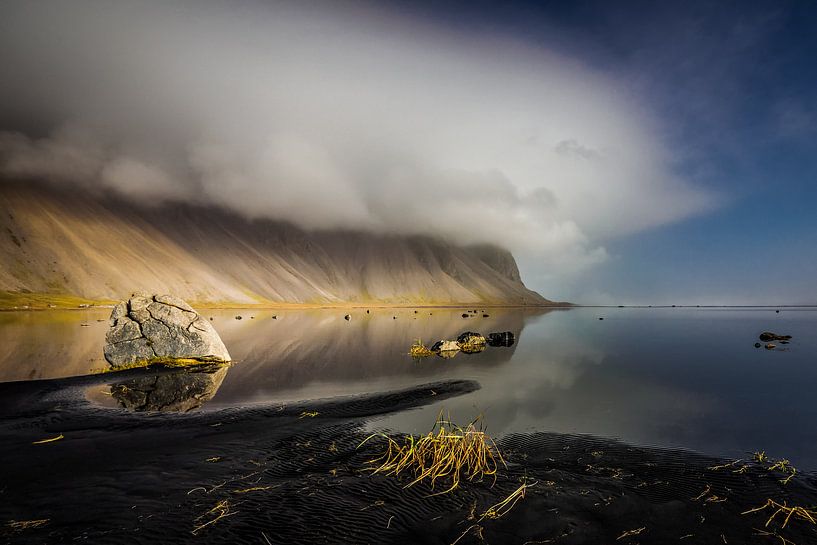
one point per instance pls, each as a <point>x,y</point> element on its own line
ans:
<point>160,327</point>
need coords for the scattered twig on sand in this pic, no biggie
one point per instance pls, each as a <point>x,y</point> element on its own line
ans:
<point>254,489</point>
<point>309,414</point>
<point>783,540</point>
<point>19,525</point>
<point>796,512</point>
<point>219,511</point>
<point>44,441</point>
<point>630,533</point>
<point>495,511</point>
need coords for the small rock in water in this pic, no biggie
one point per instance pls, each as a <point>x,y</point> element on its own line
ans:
<point>239,317</point>
<point>600,318</point>
<point>769,336</point>
<point>770,346</point>
<point>252,317</point>
<point>485,315</point>
<point>367,311</point>
<point>347,317</point>
<point>274,316</point>
<point>465,315</point>
<point>505,338</point>
<point>211,318</point>
<point>777,312</point>
<point>758,345</point>
<point>394,317</point>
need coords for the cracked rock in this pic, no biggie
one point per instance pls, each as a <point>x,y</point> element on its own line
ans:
<point>160,326</point>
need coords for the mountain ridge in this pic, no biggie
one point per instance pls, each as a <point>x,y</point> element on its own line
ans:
<point>102,247</point>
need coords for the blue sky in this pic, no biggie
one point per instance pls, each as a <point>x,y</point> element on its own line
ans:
<point>735,87</point>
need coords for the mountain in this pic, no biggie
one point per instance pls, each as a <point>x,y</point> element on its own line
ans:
<point>70,243</point>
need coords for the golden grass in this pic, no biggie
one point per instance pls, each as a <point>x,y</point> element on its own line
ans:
<point>448,452</point>
<point>39,301</point>
<point>419,350</point>
<point>168,363</point>
<point>796,512</point>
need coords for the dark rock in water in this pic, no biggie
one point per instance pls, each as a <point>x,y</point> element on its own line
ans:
<point>239,317</point>
<point>211,318</point>
<point>394,317</point>
<point>252,317</point>
<point>367,311</point>
<point>471,342</point>
<point>770,346</point>
<point>464,315</point>
<point>274,316</point>
<point>600,318</point>
<point>415,312</point>
<point>777,312</point>
<point>468,336</point>
<point>178,391</point>
<point>485,315</point>
<point>149,327</point>
<point>758,345</point>
<point>767,336</point>
<point>505,338</point>
<point>784,342</point>
<point>347,317</point>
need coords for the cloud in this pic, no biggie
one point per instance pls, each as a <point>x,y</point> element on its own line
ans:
<point>349,116</point>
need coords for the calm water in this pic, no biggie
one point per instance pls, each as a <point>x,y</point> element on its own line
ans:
<point>665,377</point>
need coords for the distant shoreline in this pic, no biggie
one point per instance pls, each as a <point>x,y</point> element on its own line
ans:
<point>12,301</point>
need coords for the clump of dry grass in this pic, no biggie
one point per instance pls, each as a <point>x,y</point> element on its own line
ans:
<point>448,452</point>
<point>419,350</point>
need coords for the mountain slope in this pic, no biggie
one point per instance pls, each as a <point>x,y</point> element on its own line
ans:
<point>65,242</point>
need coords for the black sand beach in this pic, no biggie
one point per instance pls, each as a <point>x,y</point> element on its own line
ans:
<point>273,474</point>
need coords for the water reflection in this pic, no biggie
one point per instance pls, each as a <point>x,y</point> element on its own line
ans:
<point>180,390</point>
<point>671,377</point>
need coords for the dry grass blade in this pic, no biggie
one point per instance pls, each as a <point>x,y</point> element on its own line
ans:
<point>219,511</point>
<point>448,452</point>
<point>502,508</point>
<point>44,441</point>
<point>18,525</point>
<point>630,533</point>
<point>796,512</point>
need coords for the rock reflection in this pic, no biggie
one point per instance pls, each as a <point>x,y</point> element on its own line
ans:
<point>177,391</point>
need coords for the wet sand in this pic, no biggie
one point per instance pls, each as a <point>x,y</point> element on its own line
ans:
<point>123,477</point>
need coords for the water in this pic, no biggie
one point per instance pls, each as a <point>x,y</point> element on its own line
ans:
<point>687,378</point>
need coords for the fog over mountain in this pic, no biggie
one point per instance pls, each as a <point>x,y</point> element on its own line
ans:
<point>341,116</point>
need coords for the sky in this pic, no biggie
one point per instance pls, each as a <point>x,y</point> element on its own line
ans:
<point>626,153</point>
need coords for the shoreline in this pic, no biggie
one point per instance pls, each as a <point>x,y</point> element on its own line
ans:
<point>156,477</point>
